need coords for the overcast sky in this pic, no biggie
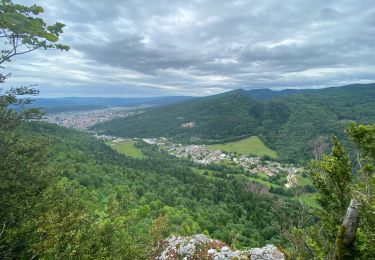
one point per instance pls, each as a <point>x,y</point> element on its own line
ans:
<point>201,47</point>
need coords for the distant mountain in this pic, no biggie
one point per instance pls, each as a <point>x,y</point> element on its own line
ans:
<point>265,93</point>
<point>52,105</point>
<point>213,117</point>
<point>288,121</point>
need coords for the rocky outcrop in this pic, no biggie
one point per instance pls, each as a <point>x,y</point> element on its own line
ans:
<point>201,247</point>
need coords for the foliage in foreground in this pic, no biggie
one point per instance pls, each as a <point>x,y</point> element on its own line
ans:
<point>346,225</point>
<point>93,201</point>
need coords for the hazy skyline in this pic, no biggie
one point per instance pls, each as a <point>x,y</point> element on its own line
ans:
<point>154,48</point>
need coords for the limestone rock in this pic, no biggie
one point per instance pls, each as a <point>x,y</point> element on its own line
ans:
<point>267,252</point>
<point>201,247</point>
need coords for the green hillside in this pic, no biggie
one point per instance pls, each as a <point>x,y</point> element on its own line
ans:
<point>214,117</point>
<point>288,123</point>
<point>301,119</point>
<point>103,191</point>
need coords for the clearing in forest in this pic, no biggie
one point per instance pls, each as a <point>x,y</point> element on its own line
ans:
<point>250,145</point>
<point>128,148</point>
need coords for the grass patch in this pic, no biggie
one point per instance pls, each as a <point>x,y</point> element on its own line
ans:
<point>309,200</point>
<point>302,181</point>
<point>211,174</point>
<point>262,181</point>
<point>128,148</point>
<point>246,146</point>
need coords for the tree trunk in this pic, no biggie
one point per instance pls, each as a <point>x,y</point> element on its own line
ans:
<point>348,229</point>
<point>350,222</point>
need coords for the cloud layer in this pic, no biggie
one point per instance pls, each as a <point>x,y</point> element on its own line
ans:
<point>201,47</point>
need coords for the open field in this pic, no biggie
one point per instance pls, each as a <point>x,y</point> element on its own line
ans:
<point>128,148</point>
<point>309,199</point>
<point>246,146</point>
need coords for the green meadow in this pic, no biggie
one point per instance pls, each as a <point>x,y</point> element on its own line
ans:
<point>246,146</point>
<point>128,148</point>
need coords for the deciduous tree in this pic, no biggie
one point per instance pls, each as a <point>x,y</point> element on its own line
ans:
<point>24,171</point>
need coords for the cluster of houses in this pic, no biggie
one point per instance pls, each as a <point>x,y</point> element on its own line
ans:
<point>106,138</point>
<point>198,153</point>
<point>270,168</point>
<point>85,119</point>
<point>202,155</point>
<point>188,125</point>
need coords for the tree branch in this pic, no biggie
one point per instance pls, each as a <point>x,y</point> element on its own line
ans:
<point>3,229</point>
<point>17,53</point>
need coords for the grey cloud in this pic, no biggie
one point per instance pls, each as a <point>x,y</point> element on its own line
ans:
<point>132,53</point>
<point>329,13</point>
<point>204,46</point>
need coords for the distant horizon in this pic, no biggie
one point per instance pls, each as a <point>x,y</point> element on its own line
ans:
<point>272,89</point>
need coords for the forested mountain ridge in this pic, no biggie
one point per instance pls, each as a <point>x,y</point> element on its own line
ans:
<point>265,93</point>
<point>215,117</point>
<point>288,123</point>
<point>110,190</point>
<point>307,118</point>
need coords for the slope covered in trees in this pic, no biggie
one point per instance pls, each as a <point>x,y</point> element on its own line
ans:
<point>292,123</point>
<point>77,197</point>
<point>214,117</point>
<point>90,198</point>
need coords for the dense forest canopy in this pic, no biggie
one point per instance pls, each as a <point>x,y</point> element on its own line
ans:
<point>158,194</point>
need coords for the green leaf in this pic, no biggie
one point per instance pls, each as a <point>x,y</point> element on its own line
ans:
<point>51,37</point>
<point>15,19</point>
